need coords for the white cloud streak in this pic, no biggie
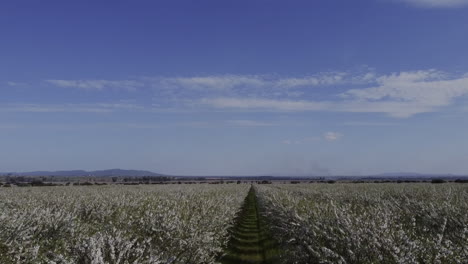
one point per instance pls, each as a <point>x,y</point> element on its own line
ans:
<point>69,108</point>
<point>417,92</point>
<point>15,84</point>
<point>226,82</point>
<point>301,141</point>
<point>291,142</point>
<point>265,104</point>
<point>398,95</point>
<point>437,3</point>
<point>361,123</point>
<point>98,85</point>
<point>394,109</point>
<point>248,123</point>
<point>332,136</point>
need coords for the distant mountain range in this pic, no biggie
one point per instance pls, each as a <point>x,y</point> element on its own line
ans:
<point>98,173</point>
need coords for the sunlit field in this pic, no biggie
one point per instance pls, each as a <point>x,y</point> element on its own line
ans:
<point>117,224</point>
<point>202,223</point>
<point>369,223</point>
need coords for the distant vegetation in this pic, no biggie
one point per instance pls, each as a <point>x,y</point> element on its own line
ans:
<point>38,181</point>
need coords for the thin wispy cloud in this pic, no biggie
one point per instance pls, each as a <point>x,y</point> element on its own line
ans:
<point>321,79</point>
<point>248,123</point>
<point>178,88</point>
<point>269,82</point>
<point>301,141</point>
<point>332,136</point>
<point>265,104</point>
<point>361,123</point>
<point>99,85</point>
<point>223,82</point>
<point>201,123</point>
<point>394,109</point>
<point>400,95</point>
<point>291,142</point>
<point>15,84</point>
<point>437,3</point>
<point>420,91</point>
<point>69,108</point>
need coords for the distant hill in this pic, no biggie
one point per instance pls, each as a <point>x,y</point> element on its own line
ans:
<point>400,174</point>
<point>98,173</point>
<point>411,174</point>
<point>119,172</point>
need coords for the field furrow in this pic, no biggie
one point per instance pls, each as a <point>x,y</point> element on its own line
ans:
<point>250,241</point>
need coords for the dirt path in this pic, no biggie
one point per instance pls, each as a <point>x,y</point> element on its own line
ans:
<point>250,242</point>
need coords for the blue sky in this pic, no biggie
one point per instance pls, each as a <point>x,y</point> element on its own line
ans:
<point>235,87</point>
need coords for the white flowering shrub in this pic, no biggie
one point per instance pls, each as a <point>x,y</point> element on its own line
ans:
<point>368,223</point>
<point>117,224</point>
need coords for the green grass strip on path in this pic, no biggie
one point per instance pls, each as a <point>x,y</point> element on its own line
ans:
<point>250,240</point>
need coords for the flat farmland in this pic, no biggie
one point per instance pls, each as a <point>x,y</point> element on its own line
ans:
<point>235,223</point>
<point>369,223</point>
<point>117,224</point>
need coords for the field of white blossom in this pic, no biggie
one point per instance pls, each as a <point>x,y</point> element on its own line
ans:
<point>117,224</point>
<point>368,223</point>
<point>311,223</point>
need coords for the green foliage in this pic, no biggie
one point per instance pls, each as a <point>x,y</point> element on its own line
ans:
<point>250,241</point>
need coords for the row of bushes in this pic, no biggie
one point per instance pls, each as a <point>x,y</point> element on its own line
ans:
<point>40,183</point>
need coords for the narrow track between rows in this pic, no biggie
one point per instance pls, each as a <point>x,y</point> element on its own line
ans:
<point>250,241</point>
